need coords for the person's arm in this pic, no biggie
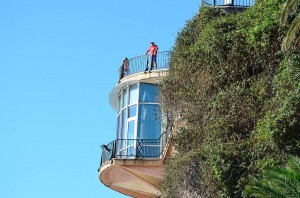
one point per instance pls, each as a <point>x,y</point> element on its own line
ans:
<point>147,51</point>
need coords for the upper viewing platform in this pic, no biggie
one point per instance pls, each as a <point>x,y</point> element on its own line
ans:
<point>141,63</point>
<point>228,3</point>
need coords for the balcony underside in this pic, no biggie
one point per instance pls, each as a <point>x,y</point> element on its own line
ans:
<point>133,177</point>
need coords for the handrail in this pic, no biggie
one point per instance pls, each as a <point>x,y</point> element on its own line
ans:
<point>134,148</point>
<point>140,63</point>
<point>228,3</point>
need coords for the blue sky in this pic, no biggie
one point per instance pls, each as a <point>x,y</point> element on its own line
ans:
<point>58,63</point>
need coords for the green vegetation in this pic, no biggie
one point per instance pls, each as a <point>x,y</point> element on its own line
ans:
<point>277,182</point>
<point>235,84</point>
<point>291,15</point>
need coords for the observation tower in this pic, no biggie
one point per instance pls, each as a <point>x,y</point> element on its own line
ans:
<point>133,163</point>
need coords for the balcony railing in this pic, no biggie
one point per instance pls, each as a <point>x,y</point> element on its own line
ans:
<point>140,63</point>
<point>134,148</point>
<point>232,3</point>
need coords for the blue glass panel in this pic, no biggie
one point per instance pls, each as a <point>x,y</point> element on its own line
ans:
<point>123,124</point>
<point>119,126</point>
<point>132,111</point>
<point>119,103</point>
<point>123,134</point>
<point>148,148</point>
<point>148,92</point>
<point>121,154</point>
<point>118,145</point>
<point>152,151</point>
<point>124,98</point>
<point>130,142</point>
<point>149,121</point>
<point>131,129</point>
<point>133,94</point>
<point>130,151</point>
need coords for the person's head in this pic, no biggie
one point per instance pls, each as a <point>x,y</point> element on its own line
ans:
<point>152,43</point>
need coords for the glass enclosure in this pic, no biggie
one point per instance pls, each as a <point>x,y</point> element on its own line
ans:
<point>138,118</point>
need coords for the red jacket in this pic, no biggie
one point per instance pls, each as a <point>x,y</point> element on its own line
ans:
<point>152,49</point>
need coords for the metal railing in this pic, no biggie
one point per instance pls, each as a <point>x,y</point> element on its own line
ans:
<point>134,148</point>
<point>140,63</point>
<point>232,3</point>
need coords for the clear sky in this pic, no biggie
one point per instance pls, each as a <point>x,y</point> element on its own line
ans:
<point>58,63</point>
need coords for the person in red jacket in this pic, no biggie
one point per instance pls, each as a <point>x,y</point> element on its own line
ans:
<point>153,52</point>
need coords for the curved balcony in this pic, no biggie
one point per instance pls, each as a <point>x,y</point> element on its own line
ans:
<point>140,63</point>
<point>135,167</point>
<point>228,3</point>
<point>134,148</point>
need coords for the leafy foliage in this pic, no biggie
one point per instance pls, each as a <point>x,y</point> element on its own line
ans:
<point>291,13</point>
<point>277,181</point>
<point>191,170</point>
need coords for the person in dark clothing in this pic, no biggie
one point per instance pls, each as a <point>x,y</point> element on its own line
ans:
<point>124,69</point>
